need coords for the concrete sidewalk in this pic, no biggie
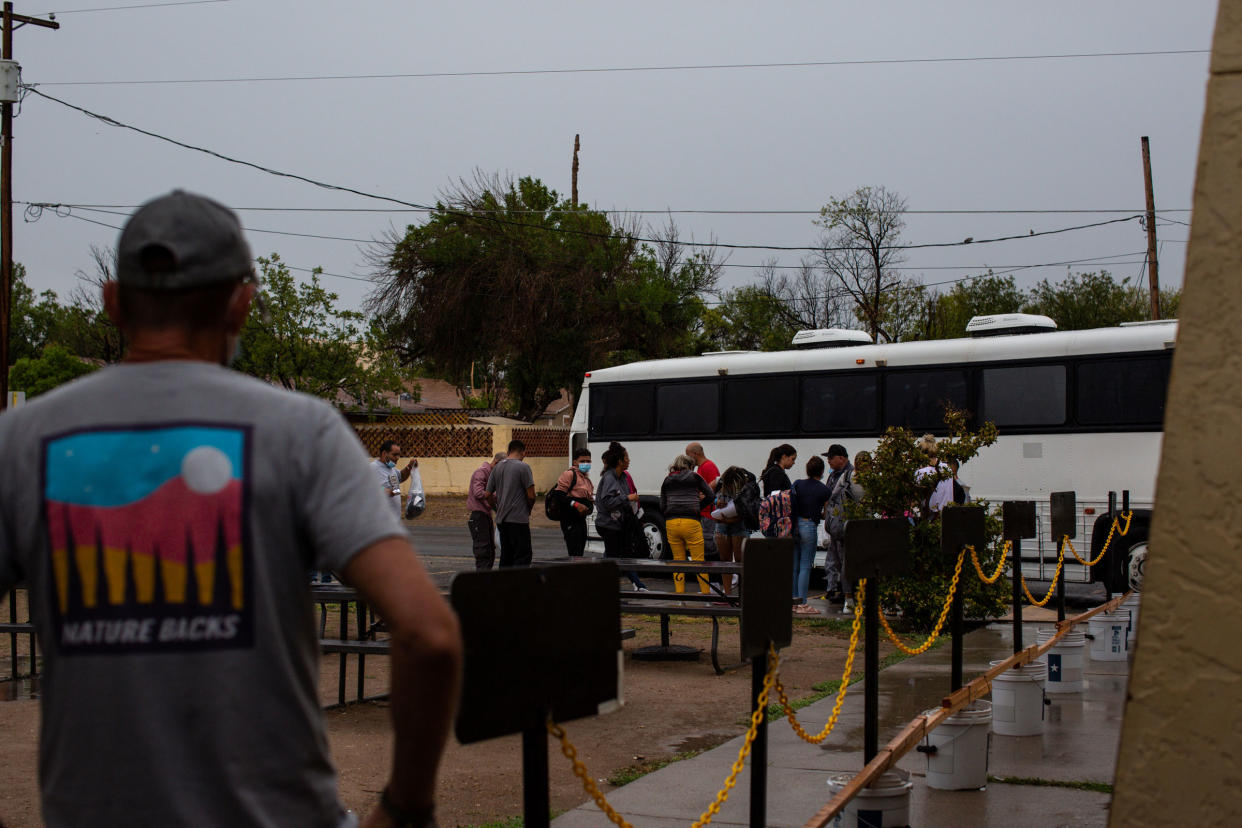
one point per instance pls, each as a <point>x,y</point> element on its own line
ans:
<point>1079,744</point>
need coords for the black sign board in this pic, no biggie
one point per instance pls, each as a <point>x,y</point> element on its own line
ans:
<point>767,614</point>
<point>1019,517</point>
<point>876,547</point>
<point>1064,517</point>
<point>962,526</point>
<point>537,641</point>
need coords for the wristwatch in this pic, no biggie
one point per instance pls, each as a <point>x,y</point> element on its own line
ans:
<point>421,818</point>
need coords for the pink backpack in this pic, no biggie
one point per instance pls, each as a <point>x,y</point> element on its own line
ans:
<point>776,514</point>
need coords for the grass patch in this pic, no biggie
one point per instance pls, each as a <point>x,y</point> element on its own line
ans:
<point>839,625</point>
<point>511,822</point>
<point>1095,787</point>
<point>629,773</point>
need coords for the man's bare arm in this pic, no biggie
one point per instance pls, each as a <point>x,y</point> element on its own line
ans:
<point>426,663</point>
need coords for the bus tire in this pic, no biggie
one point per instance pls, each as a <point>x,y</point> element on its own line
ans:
<point>651,525</point>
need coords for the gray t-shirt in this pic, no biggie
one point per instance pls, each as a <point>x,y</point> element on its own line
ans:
<point>510,480</point>
<point>389,479</point>
<point>164,516</point>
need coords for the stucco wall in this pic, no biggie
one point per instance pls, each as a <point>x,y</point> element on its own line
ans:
<point>1180,755</point>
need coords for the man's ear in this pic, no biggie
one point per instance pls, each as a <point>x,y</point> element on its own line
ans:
<point>112,303</point>
<point>239,306</point>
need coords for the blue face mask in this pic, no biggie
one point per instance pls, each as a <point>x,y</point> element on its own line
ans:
<point>584,467</point>
<point>390,464</point>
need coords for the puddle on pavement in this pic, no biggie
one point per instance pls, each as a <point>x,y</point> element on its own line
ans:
<point>698,743</point>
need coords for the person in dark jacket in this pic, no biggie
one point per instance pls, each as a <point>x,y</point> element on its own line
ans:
<point>681,499</point>
<point>613,500</point>
<point>780,460</point>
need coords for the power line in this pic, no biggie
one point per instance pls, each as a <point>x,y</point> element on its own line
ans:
<point>661,211</point>
<point>52,15</point>
<point>623,69</point>
<point>563,230</point>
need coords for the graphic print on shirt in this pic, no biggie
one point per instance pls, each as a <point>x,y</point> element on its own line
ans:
<point>147,529</point>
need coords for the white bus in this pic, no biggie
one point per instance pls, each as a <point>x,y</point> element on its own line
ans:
<point>1077,411</point>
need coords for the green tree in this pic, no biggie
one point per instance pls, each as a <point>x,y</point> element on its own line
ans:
<point>507,273</point>
<point>859,249</point>
<point>33,318</point>
<point>981,296</point>
<point>1088,300</point>
<point>892,490</point>
<point>307,343</point>
<point>747,319</point>
<point>52,367</point>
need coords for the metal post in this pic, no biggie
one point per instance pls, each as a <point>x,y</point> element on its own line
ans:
<point>1061,580</point>
<point>1153,265</point>
<point>6,217</point>
<point>871,671</point>
<point>536,808</point>
<point>759,748</point>
<point>1112,504</point>
<point>956,631</point>
<point>13,635</point>
<point>1125,500</point>
<point>1017,595</point>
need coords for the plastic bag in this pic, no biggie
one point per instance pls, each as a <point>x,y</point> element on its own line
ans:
<point>417,502</point>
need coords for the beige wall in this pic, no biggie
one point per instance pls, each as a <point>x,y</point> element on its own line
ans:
<point>451,475</point>
<point>1179,762</point>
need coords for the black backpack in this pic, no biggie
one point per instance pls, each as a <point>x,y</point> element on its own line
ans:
<point>747,500</point>
<point>556,504</point>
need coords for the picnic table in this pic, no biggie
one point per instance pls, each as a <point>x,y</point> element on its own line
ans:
<point>344,644</point>
<point>691,603</point>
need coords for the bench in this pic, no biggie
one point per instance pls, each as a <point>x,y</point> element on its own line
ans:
<point>14,628</point>
<point>688,604</point>
<point>343,645</point>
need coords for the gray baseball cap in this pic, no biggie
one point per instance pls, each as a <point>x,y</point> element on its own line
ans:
<point>182,240</point>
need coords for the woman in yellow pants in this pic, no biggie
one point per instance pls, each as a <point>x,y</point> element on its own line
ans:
<point>681,497</point>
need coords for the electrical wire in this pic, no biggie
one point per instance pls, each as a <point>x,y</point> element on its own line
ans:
<point>558,230</point>
<point>52,14</point>
<point>631,69</point>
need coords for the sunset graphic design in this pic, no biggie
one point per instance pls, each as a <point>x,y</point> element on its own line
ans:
<point>146,531</point>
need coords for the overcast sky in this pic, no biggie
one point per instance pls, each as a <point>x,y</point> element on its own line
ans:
<point>988,135</point>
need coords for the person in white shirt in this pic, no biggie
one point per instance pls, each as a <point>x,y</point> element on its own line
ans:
<point>390,478</point>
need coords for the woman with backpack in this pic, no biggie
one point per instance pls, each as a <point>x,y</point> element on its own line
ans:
<point>616,507</point>
<point>780,460</point>
<point>681,499</point>
<point>572,498</point>
<point>731,529</point>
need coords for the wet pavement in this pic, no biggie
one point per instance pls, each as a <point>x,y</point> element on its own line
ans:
<point>1081,733</point>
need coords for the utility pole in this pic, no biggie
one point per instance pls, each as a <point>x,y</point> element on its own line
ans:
<point>573,187</point>
<point>1153,266</point>
<point>6,200</point>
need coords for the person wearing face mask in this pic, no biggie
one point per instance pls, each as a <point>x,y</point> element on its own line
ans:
<point>580,499</point>
<point>182,502</point>
<point>390,478</point>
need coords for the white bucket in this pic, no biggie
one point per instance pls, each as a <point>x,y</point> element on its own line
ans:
<point>885,804</point>
<point>1108,632</point>
<point>1065,660</point>
<point>1018,700</point>
<point>1132,604</point>
<point>960,759</point>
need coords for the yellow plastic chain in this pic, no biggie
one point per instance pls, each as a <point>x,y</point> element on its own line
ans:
<point>944,614</point>
<point>588,784</point>
<point>1116,527</point>
<point>1000,565</point>
<point>845,680</point>
<point>1051,587</point>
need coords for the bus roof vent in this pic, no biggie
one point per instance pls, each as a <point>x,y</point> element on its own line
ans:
<point>830,338</point>
<point>1001,324</point>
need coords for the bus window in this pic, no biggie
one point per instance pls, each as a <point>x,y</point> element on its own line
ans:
<point>620,410</point>
<point>689,408</point>
<point>1025,395</point>
<point>1122,392</point>
<point>917,399</point>
<point>840,403</point>
<point>762,405</point>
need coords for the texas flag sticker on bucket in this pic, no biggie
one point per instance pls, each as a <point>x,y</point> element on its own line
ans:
<point>147,538</point>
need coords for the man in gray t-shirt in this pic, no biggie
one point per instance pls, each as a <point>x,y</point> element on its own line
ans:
<point>511,493</point>
<point>163,513</point>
